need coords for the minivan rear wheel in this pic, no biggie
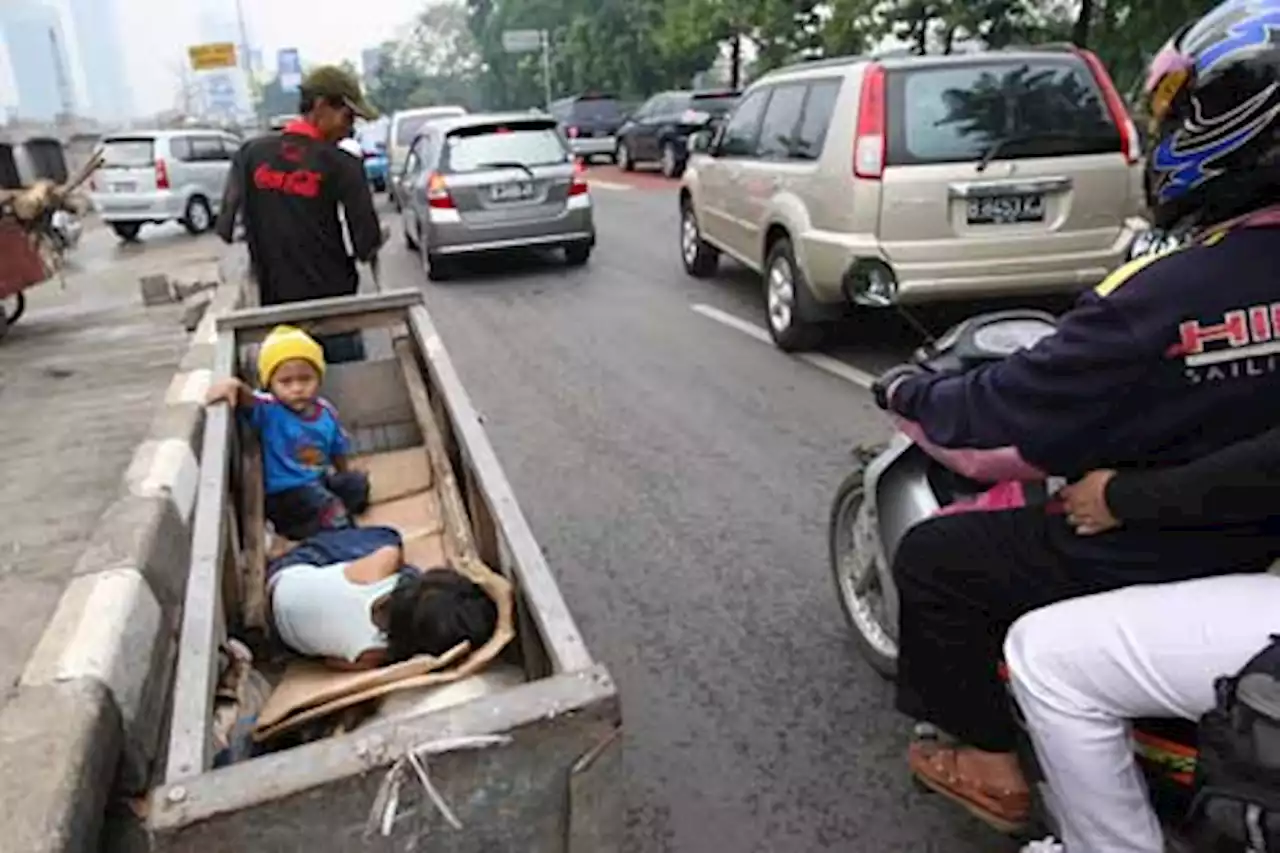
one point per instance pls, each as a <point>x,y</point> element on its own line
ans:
<point>198,217</point>
<point>787,299</point>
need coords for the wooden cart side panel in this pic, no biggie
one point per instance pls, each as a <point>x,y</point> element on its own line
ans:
<point>508,798</point>
<point>565,646</point>
<point>289,783</point>
<point>203,623</point>
<point>356,312</point>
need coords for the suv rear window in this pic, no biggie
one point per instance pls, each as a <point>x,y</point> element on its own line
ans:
<point>128,153</point>
<point>597,109</point>
<point>1040,108</point>
<point>408,126</point>
<point>475,149</point>
<point>716,104</point>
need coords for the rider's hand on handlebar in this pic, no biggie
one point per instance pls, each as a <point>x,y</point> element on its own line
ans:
<point>882,387</point>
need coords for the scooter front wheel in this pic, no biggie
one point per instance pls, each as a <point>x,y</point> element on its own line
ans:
<point>855,568</point>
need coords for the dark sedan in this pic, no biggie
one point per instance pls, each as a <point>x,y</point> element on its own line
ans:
<point>659,130</point>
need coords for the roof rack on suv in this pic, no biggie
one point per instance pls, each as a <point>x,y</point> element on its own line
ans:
<point>822,62</point>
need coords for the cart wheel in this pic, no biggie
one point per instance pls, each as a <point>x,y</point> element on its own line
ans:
<point>13,307</point>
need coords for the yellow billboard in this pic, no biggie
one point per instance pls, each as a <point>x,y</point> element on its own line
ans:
<point>206,57</point>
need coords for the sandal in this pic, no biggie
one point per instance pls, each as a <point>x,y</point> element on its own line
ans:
<point>937,767</point>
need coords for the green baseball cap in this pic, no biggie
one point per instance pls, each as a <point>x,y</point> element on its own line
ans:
<point>330,81</point>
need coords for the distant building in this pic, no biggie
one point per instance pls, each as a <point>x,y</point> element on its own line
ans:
<point>101,49</point>
<point>370,63</point>
<point>38,57</point>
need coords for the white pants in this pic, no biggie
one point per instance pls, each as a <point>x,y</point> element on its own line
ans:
<point>1083,668</point>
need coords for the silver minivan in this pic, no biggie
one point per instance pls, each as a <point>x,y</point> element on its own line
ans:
<point>162,176</point>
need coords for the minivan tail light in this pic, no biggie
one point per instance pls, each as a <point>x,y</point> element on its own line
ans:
<point>1129,144</point>
<point>162,175</point>
<point>868,144</point>
<point>437,193</point>
<point>579,185</point>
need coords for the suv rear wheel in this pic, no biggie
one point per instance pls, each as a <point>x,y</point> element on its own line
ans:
<point>787,299</point>
<point>671,165</point>
<point>700,257</point>
<point>622,156</point>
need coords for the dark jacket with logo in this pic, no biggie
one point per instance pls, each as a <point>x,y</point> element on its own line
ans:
<point>1171,358</point>
<point>288,188</point>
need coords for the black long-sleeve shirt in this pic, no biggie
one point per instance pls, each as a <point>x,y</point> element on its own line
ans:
<point>288,188</point>
<point>1239,484</point>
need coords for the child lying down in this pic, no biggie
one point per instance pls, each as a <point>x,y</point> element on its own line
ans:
<point>347,596</point>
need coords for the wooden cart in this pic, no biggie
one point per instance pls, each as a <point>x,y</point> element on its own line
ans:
<point>534,768</point>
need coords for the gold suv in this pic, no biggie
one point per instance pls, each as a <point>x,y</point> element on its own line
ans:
<point>868,182</point>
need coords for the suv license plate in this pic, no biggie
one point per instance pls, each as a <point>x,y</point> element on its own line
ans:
<point>511,192</point>
<point>124,188</point>
<point>1006,209</point>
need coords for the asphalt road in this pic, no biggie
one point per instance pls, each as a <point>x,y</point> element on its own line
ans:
<point>678,473</point>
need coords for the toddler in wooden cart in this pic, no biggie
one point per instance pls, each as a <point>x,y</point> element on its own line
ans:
<point>304,447</point>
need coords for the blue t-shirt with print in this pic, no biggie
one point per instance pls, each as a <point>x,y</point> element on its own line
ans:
<point>297,449</point>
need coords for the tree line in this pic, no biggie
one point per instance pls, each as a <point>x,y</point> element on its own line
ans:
<point>453,52</point>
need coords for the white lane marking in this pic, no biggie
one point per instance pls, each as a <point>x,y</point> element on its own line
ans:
<point>596,183</point>
<point>825,363</point>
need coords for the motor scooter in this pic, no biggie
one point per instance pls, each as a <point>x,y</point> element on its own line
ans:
<point>895,486</point>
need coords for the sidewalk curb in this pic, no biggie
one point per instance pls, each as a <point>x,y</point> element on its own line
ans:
<point>89,710</point>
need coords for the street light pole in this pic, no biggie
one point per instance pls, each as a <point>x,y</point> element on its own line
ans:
<point>245,61</point>
<point>546,66</point>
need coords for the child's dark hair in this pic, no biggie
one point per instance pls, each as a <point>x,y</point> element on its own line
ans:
<point>431,612</point>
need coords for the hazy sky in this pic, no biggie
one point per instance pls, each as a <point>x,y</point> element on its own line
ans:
<point>157,32</point>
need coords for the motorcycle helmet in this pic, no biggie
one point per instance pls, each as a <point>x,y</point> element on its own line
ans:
<point>1213,96</point>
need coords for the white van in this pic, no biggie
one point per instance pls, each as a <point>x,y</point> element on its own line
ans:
<point>405,125</point>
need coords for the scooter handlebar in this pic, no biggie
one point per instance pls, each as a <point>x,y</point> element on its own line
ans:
<point>883,385</point>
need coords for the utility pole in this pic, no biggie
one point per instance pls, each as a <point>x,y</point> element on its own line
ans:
<point>735,59</point>
<point>245,59</point>
<point>546,67</point>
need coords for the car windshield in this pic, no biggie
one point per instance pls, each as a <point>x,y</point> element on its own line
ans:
<point>597,109</point>
<point>128,153</point>
<point>479,149</point>
<point>1040,108</point>
<point>408,126</point>
<point>714,104</point>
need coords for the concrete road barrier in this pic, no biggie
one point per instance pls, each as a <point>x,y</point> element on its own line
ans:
<point>90,707</point>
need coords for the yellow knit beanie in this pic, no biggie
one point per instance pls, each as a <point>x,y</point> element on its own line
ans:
<point>286,343</point>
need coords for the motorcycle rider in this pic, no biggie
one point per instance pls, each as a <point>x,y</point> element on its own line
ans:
<point>1148,651</point>
<point>1172,357</point>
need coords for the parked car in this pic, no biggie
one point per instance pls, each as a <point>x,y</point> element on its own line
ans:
<point>659,130</point>
<point>162,176</point>
<point>590,122</point>
<point>375,164</point>
<point>484,183</point>
<point>1011,173</point>
<point>405,126</point>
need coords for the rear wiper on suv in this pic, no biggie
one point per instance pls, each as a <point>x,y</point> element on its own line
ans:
<point>505,164</point>
<point>1014,138</point>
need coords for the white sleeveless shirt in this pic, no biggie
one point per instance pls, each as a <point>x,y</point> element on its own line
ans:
<point>319,613</point>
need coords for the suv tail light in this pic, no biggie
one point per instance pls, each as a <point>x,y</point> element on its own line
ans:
<point>437,193</point>
<point>162,175</point>
<point>579,185</point>
<point>868,144</point>
<point>1129,144</point>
